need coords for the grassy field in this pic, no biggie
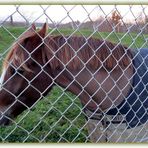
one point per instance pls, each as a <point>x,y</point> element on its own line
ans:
<point>58,117</point>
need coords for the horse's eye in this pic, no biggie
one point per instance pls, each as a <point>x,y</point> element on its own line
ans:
<point>20,70</point>
<point>12,71</point>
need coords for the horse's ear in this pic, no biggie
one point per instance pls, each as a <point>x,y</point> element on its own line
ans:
<point>28,33</point>
<point>35,38</point>
<point>43,30</point>
<point>33,27</point>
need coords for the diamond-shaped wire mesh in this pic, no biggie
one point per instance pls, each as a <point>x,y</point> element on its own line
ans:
<point>81,77</point>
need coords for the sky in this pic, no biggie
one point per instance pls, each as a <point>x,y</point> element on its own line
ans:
<point>68,13</point>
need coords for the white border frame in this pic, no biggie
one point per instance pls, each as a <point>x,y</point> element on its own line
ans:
<point>68,2</point>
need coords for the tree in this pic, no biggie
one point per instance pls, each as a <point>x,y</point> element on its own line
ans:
<point>11,20</point>
<point>116,19</point>
<point>146,23</point>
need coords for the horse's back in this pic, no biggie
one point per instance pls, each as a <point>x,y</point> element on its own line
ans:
<point>135,105</point>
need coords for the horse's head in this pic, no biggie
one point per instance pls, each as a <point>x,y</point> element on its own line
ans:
<point>24,78</point>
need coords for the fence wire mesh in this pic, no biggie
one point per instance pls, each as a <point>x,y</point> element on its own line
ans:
<point>79,108</point>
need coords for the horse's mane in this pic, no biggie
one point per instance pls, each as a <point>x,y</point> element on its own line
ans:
<point>17,53</point>
<point>16,56</point>
<point>76,52</point>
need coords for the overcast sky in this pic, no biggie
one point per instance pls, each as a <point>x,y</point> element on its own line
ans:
<point>68,13</point>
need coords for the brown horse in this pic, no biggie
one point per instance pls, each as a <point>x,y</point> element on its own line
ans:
<point>98,72</point>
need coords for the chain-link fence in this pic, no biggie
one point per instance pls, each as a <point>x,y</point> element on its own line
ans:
<point>80,77</point>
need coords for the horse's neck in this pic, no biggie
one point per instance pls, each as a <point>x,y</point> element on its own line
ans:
<point>98,89</point>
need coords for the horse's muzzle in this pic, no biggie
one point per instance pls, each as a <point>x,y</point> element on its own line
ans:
<point>4,120</point>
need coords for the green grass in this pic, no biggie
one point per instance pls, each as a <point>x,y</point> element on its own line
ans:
<point>49,121</point>
<point>57,117</point>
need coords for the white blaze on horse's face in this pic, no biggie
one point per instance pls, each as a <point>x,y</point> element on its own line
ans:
<point>2,77</point>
